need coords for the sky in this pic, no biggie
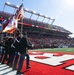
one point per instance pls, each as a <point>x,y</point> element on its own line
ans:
<point>60,10</point>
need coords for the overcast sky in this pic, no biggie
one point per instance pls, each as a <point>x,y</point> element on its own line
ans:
<point>61,10</point>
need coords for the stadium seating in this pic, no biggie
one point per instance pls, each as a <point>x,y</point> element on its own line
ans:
<point>43,35</point>
<point>42,41</point>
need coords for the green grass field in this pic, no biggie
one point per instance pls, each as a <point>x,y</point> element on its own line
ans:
<point>71,50</point>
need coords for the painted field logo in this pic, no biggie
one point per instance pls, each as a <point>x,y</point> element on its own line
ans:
<point>44,64</point>
<point>59,64</point>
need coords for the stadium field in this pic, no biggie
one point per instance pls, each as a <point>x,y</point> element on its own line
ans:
<point>52,61</point>
<point>56,61</point>
<point>71,50</point>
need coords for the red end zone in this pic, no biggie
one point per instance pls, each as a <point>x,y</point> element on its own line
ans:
<point>50,64</point>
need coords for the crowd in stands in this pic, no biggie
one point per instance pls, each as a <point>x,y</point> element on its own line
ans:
<point>46,41</point>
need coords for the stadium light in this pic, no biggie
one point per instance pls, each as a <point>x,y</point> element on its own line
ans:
<point>34,12</point>
<point>51,18</point>
<point>42,15</point>
<point>47,17</point>
<point>17,6</point>
<point>26,9</point>
<point>7,3</point>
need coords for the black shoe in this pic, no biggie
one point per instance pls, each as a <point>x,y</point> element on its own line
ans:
<point>18,73</point>
<point>28,67</point>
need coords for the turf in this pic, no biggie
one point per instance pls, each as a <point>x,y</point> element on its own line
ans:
<point>71,50</point>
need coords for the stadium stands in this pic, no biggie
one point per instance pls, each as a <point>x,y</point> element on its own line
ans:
<point>43,35</point>
<point>46,41</point>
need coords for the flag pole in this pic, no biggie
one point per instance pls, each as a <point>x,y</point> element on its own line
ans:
<point>22,20</point>
<point>22,26</point>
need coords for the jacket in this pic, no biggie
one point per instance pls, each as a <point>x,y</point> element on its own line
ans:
<point>24,44</point>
